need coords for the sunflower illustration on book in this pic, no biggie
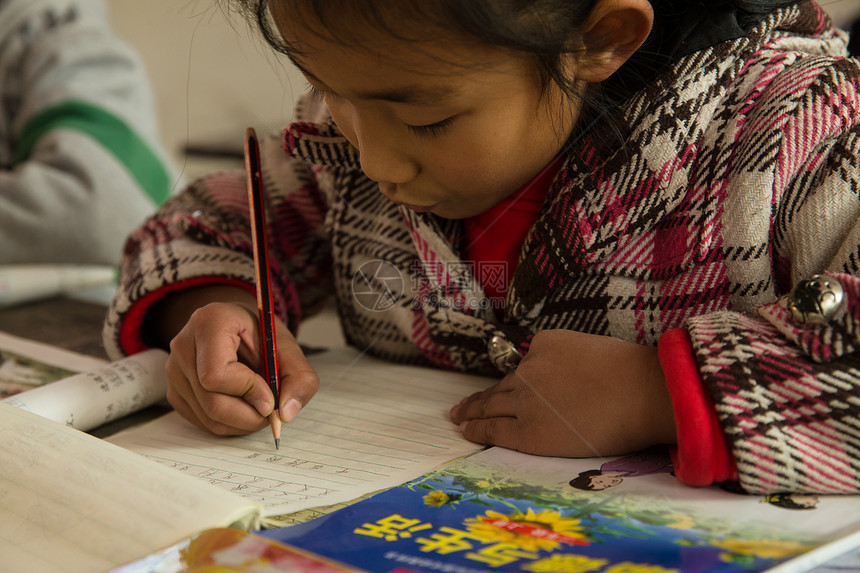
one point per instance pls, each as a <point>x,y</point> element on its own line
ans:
<point>529,531</point>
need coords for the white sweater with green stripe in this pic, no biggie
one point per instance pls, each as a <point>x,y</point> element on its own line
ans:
<point>80,161</point>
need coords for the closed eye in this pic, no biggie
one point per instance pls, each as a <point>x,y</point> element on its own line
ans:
<point>433,129</point>
<point>425,131</point>
<point>319,94</point>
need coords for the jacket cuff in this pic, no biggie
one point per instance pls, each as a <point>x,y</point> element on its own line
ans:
<point>701,456</point>
<point>130,333</point>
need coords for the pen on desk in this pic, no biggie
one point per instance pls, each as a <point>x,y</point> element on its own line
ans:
<point>268,342</point>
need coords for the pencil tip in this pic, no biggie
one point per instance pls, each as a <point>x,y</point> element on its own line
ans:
<point>277,444</point>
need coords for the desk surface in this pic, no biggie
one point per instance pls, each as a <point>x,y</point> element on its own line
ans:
<point>68,323</point>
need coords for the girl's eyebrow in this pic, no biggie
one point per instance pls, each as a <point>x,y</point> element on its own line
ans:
<point>413,95</point>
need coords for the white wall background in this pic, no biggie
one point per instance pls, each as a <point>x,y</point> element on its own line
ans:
<point>211,76</point>
<point>842,11</point>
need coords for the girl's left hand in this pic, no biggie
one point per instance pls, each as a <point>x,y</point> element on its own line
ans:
<point>574,395</point>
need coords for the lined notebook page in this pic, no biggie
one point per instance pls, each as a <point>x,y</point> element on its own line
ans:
<point>71,502</point>
<point>371,426</point>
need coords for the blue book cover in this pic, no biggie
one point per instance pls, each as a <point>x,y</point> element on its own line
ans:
<point>501,510</point>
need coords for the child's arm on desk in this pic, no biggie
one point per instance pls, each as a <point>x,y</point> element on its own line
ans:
<point>213,368</point>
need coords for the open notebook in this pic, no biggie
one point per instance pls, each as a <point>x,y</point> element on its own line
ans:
<point>72,502</point>
<point>77,503</point>
<point>372,425</point>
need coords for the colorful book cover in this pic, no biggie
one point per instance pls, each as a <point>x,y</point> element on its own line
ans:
<point>225,550</point>
<point>500,510</point>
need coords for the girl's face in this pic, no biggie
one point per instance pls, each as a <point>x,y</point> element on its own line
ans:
<point>444,126</point>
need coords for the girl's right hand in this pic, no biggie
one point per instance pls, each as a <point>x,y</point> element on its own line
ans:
<point>213,370</point>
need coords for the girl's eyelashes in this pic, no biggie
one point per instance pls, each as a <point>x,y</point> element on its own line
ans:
<point>315,93</point>
<point>319,94</point>
<point>432,129</point>
<point>426,131</point>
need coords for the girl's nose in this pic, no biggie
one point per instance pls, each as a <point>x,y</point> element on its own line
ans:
<point>384,160</point>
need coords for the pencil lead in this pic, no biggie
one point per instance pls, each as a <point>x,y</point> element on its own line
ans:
<point>277,443</point>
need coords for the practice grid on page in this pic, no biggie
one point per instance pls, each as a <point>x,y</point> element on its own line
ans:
<point>371,426</point>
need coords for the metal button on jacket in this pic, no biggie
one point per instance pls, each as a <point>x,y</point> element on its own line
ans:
<point>503,354</point>
<point>815,300</point>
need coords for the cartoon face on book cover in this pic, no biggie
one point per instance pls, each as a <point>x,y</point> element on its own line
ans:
<point>504,511</point>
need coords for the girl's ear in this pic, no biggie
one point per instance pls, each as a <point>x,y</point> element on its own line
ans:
<point>613,31</point>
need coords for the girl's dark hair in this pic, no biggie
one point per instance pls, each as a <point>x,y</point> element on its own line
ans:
<point>758,5</point>
<point>545,29</point>
<point>682,27</point>
<point>542,28</point>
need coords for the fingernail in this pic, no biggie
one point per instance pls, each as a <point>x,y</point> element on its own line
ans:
<point>263,407</point>
<point>290,409</point>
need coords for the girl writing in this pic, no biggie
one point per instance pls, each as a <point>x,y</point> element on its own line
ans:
<point>641,216</point>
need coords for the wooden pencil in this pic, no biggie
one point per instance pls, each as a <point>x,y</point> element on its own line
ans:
<point>262,276</point>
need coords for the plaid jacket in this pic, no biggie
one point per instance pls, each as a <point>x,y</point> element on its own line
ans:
<point>739,177</point>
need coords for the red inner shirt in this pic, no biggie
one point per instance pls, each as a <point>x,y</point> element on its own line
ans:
<point>497,235</point>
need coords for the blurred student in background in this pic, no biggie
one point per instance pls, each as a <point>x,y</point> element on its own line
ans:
<point>80,160</point>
